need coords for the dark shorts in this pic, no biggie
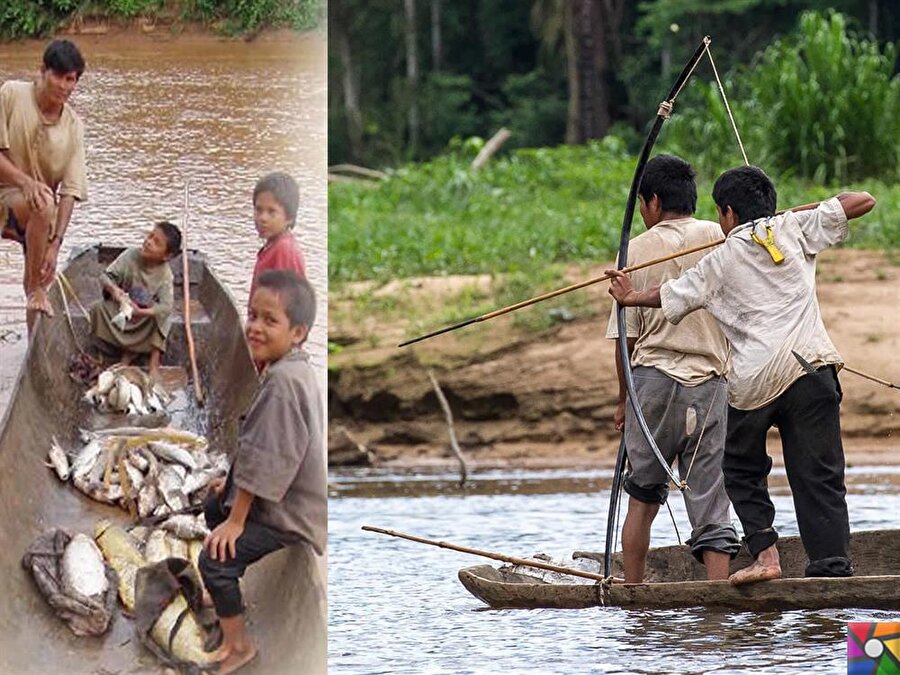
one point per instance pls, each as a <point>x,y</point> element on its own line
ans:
<point>12,229</point>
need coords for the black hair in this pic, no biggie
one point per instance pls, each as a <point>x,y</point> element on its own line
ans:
<point>63,57</point>
<point>748,191</point>
<point>284,189</point>
<point>172,235</point>
<point>296,294</point>
<point>672,180</point>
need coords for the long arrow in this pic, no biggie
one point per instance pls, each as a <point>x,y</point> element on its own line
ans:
<point>487,554</point>
<point>810,368</point>
<point>560,291</point>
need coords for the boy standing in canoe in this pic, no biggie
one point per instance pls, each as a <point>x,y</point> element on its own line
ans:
<point>679,380</point>
<point>760,287</point>
<point>136,313</point>
<point>274,495</point>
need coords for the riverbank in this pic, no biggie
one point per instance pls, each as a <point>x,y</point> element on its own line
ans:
<point>527,395</point>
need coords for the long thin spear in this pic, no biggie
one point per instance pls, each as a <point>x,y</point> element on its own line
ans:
<point>185,268</point>
<point>809,368</point>
<point>487,554</point>
<point>560,291</point>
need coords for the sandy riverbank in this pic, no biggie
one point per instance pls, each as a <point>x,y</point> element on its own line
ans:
<point>546,399</point>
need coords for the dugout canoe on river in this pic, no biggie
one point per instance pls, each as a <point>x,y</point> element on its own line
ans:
<point>675,579</point>
<point>285,593</point>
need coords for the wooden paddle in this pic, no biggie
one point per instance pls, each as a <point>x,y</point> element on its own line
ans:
<point>488,554</point>
<point>188,332</point>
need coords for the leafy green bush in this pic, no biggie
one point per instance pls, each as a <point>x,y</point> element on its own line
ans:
<point>525,211</point>
<point>822,104</point>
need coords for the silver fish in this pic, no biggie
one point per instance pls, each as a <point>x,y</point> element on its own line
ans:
<point>170,483</point>
<point>147,501</point>
<point>98,491</point>
<point>59,461</point>
<point>200,479</point>
<point>157,547</point>
<point>173,453</point>
<point>82,567</point>
<point>86,458</point>
<point>185,527</point>
<point>135,476</point>
<point>186,438</point>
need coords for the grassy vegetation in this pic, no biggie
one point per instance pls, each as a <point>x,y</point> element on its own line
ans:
<point>37,18</point>
<point>524,213</point>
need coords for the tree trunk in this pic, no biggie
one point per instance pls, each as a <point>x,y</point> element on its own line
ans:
<point>412,74</point>
<point>436,46</point>
<point>592,48</point>
<point>349,77</point>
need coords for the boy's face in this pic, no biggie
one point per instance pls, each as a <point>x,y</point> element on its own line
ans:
<point>727,219</point>
<point>269,331</point>
<point>269,215</point>
<point>58,86</point>
<point>155,248</point>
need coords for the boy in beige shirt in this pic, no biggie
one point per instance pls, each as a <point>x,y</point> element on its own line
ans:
<point>679,381</point>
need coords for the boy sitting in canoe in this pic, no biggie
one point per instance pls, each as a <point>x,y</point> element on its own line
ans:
<point>274,495</point>
<point>135,315</point>
<point>760,286</point>
<point>276,199</point>
<point>679,378</point>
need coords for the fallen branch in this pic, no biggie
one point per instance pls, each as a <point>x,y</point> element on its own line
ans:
<point>454,445</point>
<point>491,147</point>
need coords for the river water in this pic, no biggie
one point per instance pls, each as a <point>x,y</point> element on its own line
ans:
<point>217,114</point>
<point>397,607</point>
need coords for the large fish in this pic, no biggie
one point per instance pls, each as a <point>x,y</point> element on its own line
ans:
<point>122,554</point>
<point>185,526</point>
<point>86,458</point>
<point>186,438</point>
<point>170,452</point>
<point>82,567</point>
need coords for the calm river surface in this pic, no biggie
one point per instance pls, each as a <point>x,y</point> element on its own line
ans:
<point>397,607</point>
<point>218,114</point>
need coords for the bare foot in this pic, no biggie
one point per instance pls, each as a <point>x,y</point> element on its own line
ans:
<point>38,302</point>
<point>767,566</point>
<point>237,660</point>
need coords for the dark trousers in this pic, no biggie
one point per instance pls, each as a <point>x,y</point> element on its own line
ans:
<point>222,578</point>
<point>808,417</point>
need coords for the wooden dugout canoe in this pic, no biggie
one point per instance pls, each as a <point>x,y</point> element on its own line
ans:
<point>675,579</point>
<point>285,592</point>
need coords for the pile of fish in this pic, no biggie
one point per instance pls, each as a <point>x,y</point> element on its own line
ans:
<point>127,389</point>
<point>73,578</point>
<point>177,631</point>
<point>148,472</point>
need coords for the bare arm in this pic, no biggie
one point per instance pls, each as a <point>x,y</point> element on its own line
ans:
<point>856,204</point>
<point>621,289</point>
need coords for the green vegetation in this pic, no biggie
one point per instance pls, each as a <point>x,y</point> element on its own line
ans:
<point>38,18</point>
<point>822,104</point>
<point>526,211</point>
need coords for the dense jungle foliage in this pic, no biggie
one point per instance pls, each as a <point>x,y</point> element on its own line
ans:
<point>37,18</point>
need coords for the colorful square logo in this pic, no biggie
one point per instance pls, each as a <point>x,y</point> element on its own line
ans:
<point>873,649</point>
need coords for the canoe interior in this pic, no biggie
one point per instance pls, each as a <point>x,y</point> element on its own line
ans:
<point>675,579</point>
<point>285,593</point>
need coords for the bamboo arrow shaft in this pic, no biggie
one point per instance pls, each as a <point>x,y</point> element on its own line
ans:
<point>870,377</point>
<point>561,291</point>
<point>487,554</point>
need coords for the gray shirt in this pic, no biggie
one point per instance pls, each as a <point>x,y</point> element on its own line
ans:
<point>281,452</point>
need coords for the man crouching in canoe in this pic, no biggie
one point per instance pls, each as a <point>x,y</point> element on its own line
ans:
<point>760,286</point>
<point>275,493</point>
<point>679,380</point>
<point>42,170</point>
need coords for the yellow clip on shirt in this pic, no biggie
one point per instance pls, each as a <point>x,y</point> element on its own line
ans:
<point>769,244</point>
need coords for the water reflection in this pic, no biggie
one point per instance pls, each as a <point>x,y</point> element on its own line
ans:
<point>396,606</point>
<point>218,114</point>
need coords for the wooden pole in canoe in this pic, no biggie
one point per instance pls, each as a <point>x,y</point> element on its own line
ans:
<point>488,554</point>
<point>186,280</point>
<point>560,291</point>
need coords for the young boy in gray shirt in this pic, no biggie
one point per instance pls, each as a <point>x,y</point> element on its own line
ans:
<point>275,493</point>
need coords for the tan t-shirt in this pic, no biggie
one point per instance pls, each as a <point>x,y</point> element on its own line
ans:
<point>281,456</point>
<point>50,153</point>
<point>695,350</point>
<point>765,310</point>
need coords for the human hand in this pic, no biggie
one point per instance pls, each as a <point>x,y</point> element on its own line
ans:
<point>37,195</point>
<point>619,416</point>
<point>620,287</point>
<point>221,543</point>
